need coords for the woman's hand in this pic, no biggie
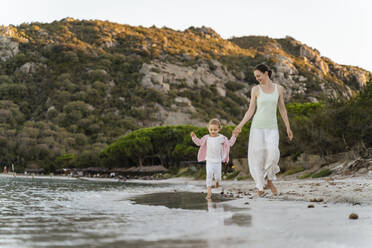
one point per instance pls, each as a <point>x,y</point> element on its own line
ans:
<point>290,134</point>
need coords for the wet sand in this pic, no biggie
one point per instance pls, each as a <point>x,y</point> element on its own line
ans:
<point>353,190</point>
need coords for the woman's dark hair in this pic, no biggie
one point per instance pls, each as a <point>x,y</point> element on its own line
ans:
<point>263,68</point>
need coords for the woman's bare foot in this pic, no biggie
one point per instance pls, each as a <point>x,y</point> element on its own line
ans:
<point>272,187</point>
<point>260,193</point>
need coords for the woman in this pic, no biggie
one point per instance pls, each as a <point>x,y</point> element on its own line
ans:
<point>263,146</point>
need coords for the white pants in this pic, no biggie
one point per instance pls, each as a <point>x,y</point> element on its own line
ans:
<point>263,155</point>
<point>213,170</point>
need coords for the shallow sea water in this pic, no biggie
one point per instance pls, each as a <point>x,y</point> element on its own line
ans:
<point>74,213</point>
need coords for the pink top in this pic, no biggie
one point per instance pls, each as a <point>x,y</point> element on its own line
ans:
<point>202,154</point>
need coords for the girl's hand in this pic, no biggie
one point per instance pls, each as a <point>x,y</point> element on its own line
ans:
<point>192,134</point>
<point>236,132</point>
<point>290,134</point>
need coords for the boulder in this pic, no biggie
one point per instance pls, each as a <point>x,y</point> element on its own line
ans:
<point>29,67</point>
<point>8,48</point>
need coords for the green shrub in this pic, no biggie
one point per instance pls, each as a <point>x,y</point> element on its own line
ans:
<point>293,171</point>
<point>232,175</point>
<point>322,173</point>
<point>234,86</point>
<point>240,178</point>
<point>306,175</point>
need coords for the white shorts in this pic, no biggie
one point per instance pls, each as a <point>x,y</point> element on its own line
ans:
<point>213,170</point>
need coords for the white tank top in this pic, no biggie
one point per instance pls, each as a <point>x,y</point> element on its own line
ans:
<point>265,116</point>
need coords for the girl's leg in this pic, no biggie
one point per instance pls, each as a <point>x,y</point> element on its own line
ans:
<point>209,179</point>
<point>209,194</point>
<point>217,174</point>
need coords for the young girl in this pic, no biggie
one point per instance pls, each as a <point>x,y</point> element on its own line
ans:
<point>214,149</point>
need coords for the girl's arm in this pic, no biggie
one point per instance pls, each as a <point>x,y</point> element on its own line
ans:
<point>195,139</point>
<point>283,112</point>
<point>232,140</point>
<point>252,108</point>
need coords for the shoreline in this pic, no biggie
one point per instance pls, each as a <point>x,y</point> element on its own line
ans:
<point>356,190</point>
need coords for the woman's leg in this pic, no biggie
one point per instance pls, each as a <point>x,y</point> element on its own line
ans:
<point>272,159</point>
<point>256,158</point>
<point>271,186</point>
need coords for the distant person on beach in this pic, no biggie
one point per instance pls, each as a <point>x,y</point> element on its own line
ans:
<point>214,149</point>
<point>263,146</point>
<point>5,169</point>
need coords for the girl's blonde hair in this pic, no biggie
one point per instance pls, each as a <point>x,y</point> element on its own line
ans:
<point>215,122</point>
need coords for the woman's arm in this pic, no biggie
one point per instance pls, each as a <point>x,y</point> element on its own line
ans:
<point>252,108</point>
<point>283,112</point>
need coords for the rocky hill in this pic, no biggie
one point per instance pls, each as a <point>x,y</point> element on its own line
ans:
<point>298,64</point>
<point>74,86</point>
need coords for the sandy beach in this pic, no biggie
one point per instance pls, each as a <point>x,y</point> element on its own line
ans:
<point>354,190</point>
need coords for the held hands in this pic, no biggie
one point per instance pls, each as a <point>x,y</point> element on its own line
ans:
<point>237,131</point>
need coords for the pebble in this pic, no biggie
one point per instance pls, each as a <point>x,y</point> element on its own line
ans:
<point>353,216</point>
<point>310,206</point>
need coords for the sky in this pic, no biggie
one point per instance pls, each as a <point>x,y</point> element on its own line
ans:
<point>339,29</point>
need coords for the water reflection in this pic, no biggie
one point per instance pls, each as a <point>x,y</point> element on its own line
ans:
<point>197,201</point>
<point>240,219</point>
<point>183,200</point>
